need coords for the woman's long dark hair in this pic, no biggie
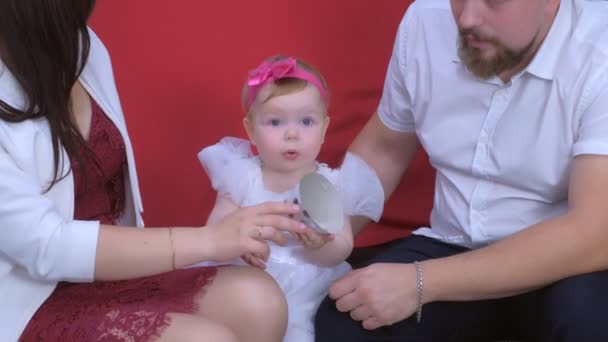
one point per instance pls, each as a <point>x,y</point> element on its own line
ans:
<point>45,44</point>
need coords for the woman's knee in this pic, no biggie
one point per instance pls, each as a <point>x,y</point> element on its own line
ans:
<point>246,298</point>
<point>257,293</point>
<point>192,328</point>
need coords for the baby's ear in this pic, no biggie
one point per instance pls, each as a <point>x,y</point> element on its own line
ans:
<point>249,129</point>
<point>325,125</point>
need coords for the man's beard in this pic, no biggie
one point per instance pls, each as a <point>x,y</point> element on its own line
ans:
<point>504,59</point>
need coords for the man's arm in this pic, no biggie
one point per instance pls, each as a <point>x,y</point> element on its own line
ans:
<point>388,152</point>
<point>564,246</point>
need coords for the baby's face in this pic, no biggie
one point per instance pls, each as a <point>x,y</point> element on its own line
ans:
<point>288,130</point>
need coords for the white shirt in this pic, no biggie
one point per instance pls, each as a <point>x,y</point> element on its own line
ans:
<point>40,242</point>
<point>502,152</point>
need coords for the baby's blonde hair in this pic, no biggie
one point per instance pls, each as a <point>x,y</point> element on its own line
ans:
<point>283,86</point>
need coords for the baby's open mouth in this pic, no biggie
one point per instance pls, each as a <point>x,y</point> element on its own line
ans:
<point>290,155</point>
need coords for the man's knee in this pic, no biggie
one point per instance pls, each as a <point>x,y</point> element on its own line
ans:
<point>333,325</point>
<point>574,309</point>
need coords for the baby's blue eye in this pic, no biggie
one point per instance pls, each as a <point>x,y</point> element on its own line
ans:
<point>307,121</point>
<point>275,122</point>
<point>494,3</point>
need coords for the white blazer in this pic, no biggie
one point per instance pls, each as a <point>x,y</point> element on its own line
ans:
<point>40,242</point>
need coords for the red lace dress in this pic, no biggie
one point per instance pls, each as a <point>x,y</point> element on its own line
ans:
<point>131,310</point>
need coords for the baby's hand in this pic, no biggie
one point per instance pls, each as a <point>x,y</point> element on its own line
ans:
<point>311,239</point>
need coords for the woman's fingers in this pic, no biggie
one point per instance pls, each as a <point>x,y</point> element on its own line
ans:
<point>276,214</point>
<point>254,261</point>
<point>259,249</point>
<point>277,208</point>
<point>281,223</point>
<point>272,234</point>
<point>247,259</point>
<point>255,226</point>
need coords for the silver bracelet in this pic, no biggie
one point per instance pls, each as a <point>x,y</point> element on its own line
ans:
<point>420,292</point>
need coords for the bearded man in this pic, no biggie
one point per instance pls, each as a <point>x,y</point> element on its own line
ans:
<point>509,98</point>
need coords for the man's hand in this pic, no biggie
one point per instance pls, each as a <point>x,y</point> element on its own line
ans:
<point>378,295</point>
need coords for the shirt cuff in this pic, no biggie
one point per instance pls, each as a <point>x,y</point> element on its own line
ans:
<point>390,123</point>
<point>77,263</point>
<point>590,147</point>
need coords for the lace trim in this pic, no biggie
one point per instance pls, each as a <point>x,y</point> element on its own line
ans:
<point>126,311</point>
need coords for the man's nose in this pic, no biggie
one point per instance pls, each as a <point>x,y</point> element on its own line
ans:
<point>471,14</point>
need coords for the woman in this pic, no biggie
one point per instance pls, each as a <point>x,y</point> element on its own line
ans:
<point>69,270</point>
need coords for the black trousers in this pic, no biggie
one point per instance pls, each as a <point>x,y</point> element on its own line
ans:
<point>573,309</point>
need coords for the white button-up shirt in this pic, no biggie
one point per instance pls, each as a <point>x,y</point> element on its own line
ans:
<point>502,152</point>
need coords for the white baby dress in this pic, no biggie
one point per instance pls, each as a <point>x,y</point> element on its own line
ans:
<point>235,171</point>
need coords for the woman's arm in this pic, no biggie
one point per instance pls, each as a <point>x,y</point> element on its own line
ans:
<point>36,235</point>
<point>130,253</point>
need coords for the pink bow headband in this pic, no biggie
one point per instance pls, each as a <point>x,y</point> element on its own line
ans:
<point>268,72</point>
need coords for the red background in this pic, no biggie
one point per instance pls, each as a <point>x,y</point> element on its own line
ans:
<point>180,65</point>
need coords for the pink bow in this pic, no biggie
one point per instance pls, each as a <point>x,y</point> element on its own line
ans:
<point>271,72</point>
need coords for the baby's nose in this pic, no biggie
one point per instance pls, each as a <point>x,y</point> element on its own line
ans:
<point>291,133</point>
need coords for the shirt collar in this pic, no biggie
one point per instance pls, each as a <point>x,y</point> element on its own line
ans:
<point>545,62</point>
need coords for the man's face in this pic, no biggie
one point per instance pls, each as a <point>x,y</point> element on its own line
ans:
<point>498,35</point>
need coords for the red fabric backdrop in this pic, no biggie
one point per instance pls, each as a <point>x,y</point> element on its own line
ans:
<point>180,65</point>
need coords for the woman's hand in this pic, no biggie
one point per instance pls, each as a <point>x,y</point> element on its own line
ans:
<point>245,231</point>
<point>309,238</point>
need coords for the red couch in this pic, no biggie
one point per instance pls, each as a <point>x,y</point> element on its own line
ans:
<point>180,67</point>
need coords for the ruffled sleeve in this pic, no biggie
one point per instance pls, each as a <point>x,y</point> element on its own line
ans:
<point>360,188</point>
<point>229,165</point>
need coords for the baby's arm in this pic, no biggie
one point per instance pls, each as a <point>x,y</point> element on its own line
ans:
<point>362,195</point>
<point>337,249</point>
